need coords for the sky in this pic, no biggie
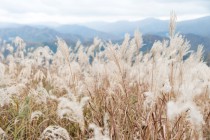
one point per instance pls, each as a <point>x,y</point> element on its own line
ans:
<point>82,11</point>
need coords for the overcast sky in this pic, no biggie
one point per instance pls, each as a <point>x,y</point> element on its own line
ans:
<point>77,11</point>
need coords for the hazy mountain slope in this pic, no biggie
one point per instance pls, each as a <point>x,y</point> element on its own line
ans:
<point>154,26</point>
<point>196,40</point>
<point>116,28</point>
<point>85,32</point>
<point>147,26</point>
<point>32,34</point>
<point>200,26</point>
<point>35,37</point>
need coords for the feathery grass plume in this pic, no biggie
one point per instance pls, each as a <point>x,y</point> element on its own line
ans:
<point>10,48</point>
<point>63,47</point>
<point>138,40</point>
<point>179,47</point>
<point>58,84</point>
<point>172,25</point>
<point>54,133</point>
<point>20,44</point>
<point>39,76</point>
<point>194,115</point>
<point>12,65</point>
<point>132,52</point>
<point>124,46</point>
<point>35,115</point>
<point>8,92</point>
<point>176,108</point>
<point>25,72</point>
<point>83,58</point>
<point>40,95</point>
<point>52,96</point>
<point>81,88</point>
<point>49,77</point>
<point>199,54</point>
<point>2,70</point>
<point>77,46</point>
<point>92,48</point>
<point>97,133</point>
<point>7,81</point>
<point>167,87</point>
<point>150,99</point>
<point>3,135</point>
<point>72,110</point>
<point>5,99</point>
<point>58,59</point>
<point>43,55</point>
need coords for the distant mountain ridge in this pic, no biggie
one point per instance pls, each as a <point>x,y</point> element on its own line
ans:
<point>146,26</point>
<point>35,37</point>
<point>196,30</point>
<point>200,26</point>
<point>84,32</point>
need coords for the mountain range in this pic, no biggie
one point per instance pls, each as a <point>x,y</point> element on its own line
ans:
<point>199,26</point>
<point>197,31</point>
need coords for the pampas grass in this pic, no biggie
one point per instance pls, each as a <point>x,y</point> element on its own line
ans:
<point>54,133</point>
<point>105,90</point>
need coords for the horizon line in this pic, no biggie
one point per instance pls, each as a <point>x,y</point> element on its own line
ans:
<point>179,19</point>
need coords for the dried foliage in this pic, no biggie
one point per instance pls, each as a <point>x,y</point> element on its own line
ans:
<point>105,91</point>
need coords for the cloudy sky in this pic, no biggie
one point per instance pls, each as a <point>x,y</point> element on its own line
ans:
<point>77,11</point>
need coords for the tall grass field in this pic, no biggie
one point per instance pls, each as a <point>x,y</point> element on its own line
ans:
<point>105,91</point>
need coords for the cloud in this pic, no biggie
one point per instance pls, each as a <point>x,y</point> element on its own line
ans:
<point>85,10</point>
